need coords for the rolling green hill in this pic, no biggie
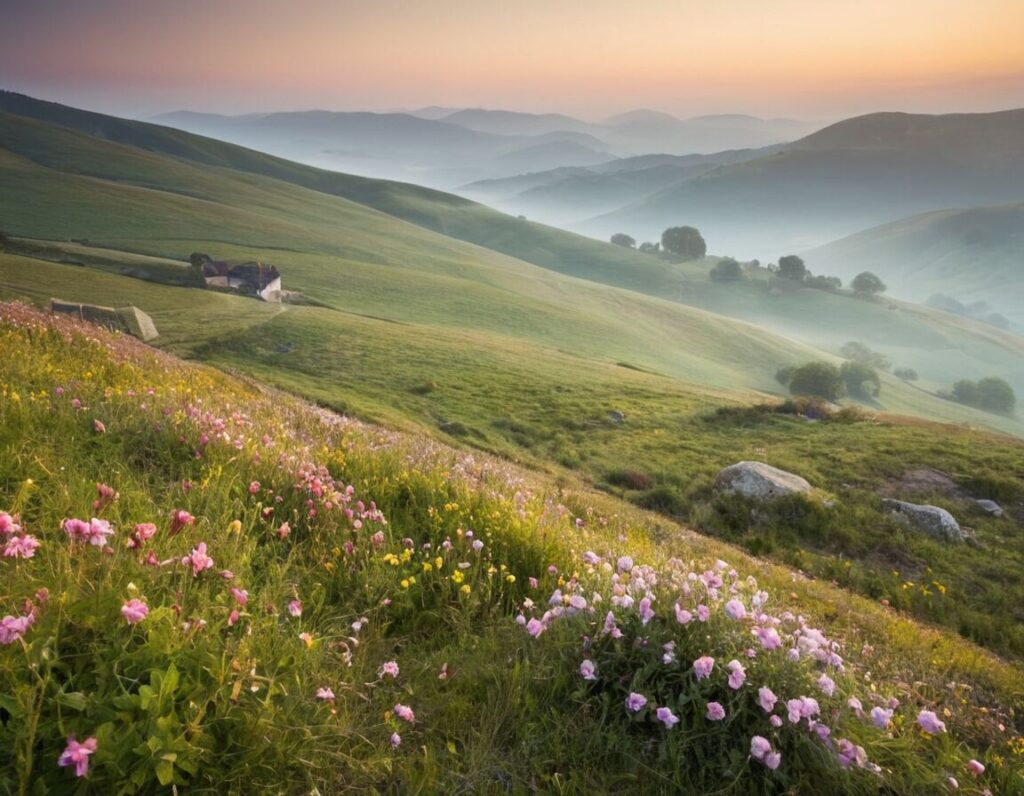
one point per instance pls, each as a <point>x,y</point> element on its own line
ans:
<point>426,331</point>
<point>852,175</point>
<point>972,254</point>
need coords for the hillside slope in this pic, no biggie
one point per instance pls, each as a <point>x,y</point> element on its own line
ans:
<point>269,597</point>
<point>972,254</point>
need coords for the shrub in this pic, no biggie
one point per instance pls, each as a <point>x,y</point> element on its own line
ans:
<point>828,283</point>
<point>907,374</point>
<point>820,379</point>
<point>630,479</point>
<point>991,394</point>
<point>649,248</point>
<point>727,270</point>
<point>624,240</point>
<point>860,379</point>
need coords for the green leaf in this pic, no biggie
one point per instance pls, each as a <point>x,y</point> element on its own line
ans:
<point>75,700</point>
<point>165,772</point>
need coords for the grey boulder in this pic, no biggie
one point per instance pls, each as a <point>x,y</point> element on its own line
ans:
<point>759,481</point>
<point>932,520</point>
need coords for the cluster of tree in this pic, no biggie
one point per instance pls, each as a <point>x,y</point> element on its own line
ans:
<point>979,310</point>
<point>991,394</point>
<point>685,243</point>
<point>794,269</point>
<point>907,374</point>
<point>726,270</point>
<point>825,380</point>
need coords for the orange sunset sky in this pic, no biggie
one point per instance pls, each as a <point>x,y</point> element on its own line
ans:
<point>809,58</point>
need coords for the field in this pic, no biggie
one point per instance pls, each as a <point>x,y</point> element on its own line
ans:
<point>274,629</point>
<point>525,359</point>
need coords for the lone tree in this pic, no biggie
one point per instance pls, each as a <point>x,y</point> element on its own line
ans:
<point>624,240</point>
<point>995,395</point>
<point>867,284</point>
<point>907,374</point>
<point>792,267</point>
<point>685,242</point>
<point>860,379</point>
<point>818,379</point>
<point>727,270</point>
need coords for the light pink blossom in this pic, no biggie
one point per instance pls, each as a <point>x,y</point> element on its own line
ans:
<point>77,754</point>
<point>715,711</point>
<point>134,611</point>
<point>702,667</point>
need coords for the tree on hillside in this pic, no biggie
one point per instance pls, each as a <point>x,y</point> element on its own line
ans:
<point>685,242</point>
<point>867,284</point>
<point>907,374</point>
<point>860,379</point>
<point>819,379</point>
<point>624,240</point>
<point>965,391</point>
<point>996,395</point>
<point>858,352</point>
<point>792,267</point>
<point>727,270</point>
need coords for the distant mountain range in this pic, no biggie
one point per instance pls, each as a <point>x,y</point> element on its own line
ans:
<point>444,147</point>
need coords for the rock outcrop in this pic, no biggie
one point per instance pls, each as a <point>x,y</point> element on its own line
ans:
<point>759,481</point>
<point>932,520</point>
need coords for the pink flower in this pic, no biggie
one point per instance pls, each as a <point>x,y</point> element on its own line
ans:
<point>702,667</point>
<point>134,611</point>
<point>8,524</point>
<point>768,636</point>
<point>144,531</point>
<point>388,669</point>
<point>78,530</point>
<point>98,532</point>
<point>254,487</point>
<point>326,694</point>
<point>703,613</point>
<point>881,717</point>
<point>975,768</point>
<point>535,627</point>
<point>646,612</point>
<point>930,723</point>
<point>241,595</point>
<point>396,739</point>
<point>734,610</point>
<point>404,712</point>
<point>766,699</point>
<point>683,616</point>
<point>761,750</point>
<point>827,685</point>
<point>77,754</point>
<point>295,608</point>
<point>180,519</point>
<point>100,429</point>
<point>13,628</point>
<point>715,711</point>
<point>588,670</point>
<point>635,701</point>
<point>284,530</point>
<point>737,674</point>
<point>775,721</point>
<point>667,717</point>
<point>198,559</point>
<point>624,564</point>
<point>233,618</point>
<point>23,546</point>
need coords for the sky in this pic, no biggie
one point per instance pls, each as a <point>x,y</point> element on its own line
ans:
<point>810,59</point>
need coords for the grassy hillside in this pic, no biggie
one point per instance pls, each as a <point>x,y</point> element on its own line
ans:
<point>972,254</point>
<point>855,174</point>
<point>284,600</point>
<point>436,334</point>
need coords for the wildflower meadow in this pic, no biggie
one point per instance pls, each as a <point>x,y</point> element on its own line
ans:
<point>214,586</point>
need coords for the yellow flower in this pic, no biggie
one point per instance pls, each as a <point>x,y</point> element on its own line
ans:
<point>439,562</point>
<point>427,566</point>
<point>235,526</point>
<point>510,578</point>
<point>466,589</point>
<point>457,576</point>
<point>405,583</point>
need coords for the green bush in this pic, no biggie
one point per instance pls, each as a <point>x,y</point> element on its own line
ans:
<point>819,379</point>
